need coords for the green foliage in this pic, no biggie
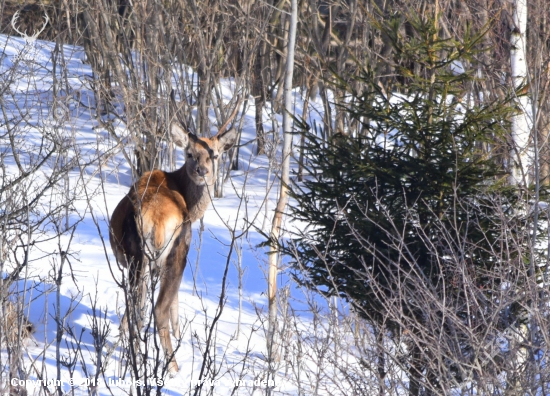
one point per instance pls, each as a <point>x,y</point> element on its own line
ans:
<point>417,194</point>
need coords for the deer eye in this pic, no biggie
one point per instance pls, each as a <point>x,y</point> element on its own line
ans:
<point>215,157</point>
<point>190,155</point>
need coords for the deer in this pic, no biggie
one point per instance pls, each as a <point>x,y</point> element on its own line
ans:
<point>151,226</point>
<point>32,38</point>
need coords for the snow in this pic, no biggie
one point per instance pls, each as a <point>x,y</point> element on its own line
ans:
<point>87,297</point>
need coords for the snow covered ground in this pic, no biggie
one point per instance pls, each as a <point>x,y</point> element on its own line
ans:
<point>86,298</point>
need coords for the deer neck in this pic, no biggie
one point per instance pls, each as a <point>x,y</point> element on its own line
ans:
<point>197,197</point>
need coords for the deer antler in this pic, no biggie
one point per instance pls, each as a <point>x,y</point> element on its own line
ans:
<point>29,39</point>
<point>233,114</point>
<point>13,21</point>
<point>176,109</point>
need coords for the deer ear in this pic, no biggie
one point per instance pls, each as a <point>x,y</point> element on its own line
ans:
<point>227,139</point>
<point>179,135</point>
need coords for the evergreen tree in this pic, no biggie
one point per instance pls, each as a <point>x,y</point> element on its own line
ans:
<point>414,200</point>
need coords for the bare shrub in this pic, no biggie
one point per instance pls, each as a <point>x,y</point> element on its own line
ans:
<point>14,325</point>
<point>140,54</point>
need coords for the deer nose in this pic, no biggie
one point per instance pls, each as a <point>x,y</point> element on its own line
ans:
<point>202,171</point>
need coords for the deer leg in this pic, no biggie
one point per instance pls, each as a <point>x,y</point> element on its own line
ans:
<point>132,319</point>
<point>169,287</point>
<point>174,316</point>
<point>137,293</point>
<point>137,314</point>
<point>122,263</point>
<point>142,299</point>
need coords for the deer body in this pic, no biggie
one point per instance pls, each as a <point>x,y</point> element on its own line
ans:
<point>150,229</point>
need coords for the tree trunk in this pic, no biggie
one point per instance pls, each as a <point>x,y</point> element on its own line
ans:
<point>520,154</point>
<point>283,194</point>
<point>258,91</point>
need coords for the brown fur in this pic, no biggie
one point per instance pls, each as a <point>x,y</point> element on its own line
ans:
<point>152,225</point>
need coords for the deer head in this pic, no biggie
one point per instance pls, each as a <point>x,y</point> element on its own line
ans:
<point>202,153</point>
<point>29,39</point>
